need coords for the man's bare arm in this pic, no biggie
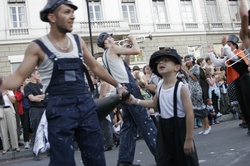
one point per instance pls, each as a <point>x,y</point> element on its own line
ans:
<point>133,50</point>
<point>244,23</point>
<point>95,67</point>
<point>28,64</point>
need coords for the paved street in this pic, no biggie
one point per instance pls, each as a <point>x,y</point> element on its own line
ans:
<point>226,145</point>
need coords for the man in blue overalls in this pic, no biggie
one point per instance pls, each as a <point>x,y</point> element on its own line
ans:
<point>134,116</point>
<point>70,109</point>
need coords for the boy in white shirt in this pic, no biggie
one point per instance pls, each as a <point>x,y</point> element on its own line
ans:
<point>175,144</point>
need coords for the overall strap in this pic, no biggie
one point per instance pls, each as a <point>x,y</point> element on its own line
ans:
<point>106,61</point>
<point>175,98</point>
<point>45,49</point>
<point>85,70</point>
<point>78,46</point>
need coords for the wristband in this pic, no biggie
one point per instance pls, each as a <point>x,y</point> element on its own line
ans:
<point>119,86</point>
<point>138,102</point>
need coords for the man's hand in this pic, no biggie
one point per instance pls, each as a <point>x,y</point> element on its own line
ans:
<point>209,49</point>
<point>224,40</point>
<point>121,91</point>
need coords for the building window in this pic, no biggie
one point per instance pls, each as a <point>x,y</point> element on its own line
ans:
<point>160,14</point>
<point>212,11</point>
<point>187,11</point>
<point>137,58</point>
<point>95,11</point>
<point>234,10</point>
<point>18,15</point>
<point>129,12</point>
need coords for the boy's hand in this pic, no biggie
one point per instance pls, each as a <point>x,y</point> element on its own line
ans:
<point>189,146</point>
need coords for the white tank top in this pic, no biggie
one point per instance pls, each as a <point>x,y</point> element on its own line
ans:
<point>166,100</point>
<point>116,67</point>
<point>46,67</point>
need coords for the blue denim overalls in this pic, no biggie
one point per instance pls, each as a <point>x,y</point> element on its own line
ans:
<point>135,117</point>
<point>71,114</point>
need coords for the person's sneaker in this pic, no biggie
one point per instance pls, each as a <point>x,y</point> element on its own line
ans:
<point>248,132</point>
<point>219,114</point>
<point>37,158</point>
<point>244,125</point>
<point>127,164</point>
<point>201,132</point>
<point>17,149</point>
<point>216,122</point>
<point>195,127</point>
<point>26,145</point>
<point>207,131</point>
<point>107,148</point>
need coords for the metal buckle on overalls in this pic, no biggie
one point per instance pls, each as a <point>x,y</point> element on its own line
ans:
<point>81,56</point>
<point>53,56</point>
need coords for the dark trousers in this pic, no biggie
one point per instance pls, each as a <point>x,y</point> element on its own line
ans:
<point>170,144</point>
<point>243,91</point>
<point>74,118</point>
<point>35,115</point>
<point>107,131</point>
<point>135,118</point>
<point>25,120</point>
<point>215,100</point>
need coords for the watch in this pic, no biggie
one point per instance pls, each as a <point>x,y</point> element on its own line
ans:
<point>119,86</point>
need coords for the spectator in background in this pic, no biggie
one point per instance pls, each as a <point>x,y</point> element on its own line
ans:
<point>23,111</point>
<point>209,64</point>
<point>8,126</point>
<point>224,99</point>
<point>107,90</point>
<point>117,124</point>
<point>34,92</point>
<point>200,111</point>
<point>213,90</point>
<point>203,80</point>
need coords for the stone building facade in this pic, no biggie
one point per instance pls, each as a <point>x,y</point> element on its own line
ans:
<point>187,25</point>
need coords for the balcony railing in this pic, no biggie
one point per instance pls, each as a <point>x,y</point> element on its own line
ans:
<point>18,31</point>
<point>101,24</point>
<point>135,26</point>
<point>236,25</point>
<point>191,25</point>
<point>163,26</point>
<point>216,25</point>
